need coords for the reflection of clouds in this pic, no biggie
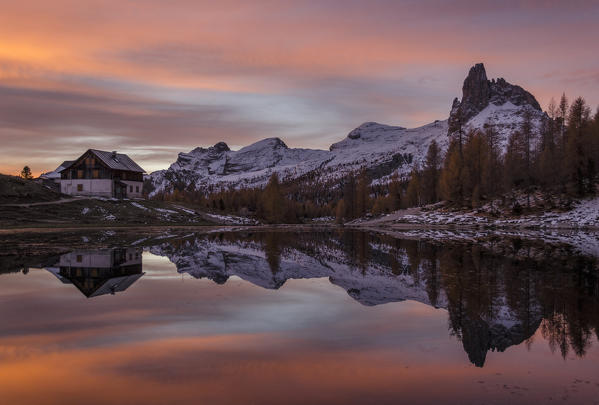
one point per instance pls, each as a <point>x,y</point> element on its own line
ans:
<point>181,340</point>
<point>174,307</point>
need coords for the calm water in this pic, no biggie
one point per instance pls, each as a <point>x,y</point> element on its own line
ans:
<point>296,318</point>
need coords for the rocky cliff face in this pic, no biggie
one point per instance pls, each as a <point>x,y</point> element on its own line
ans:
<point>491,103</point>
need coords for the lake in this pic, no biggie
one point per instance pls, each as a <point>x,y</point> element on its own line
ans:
<point>296,316</point>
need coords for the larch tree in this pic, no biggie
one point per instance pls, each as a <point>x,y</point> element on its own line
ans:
<point>580,164</point>
<point>491,171</point>
<point>394,197</point>
<point>273,201</point>
<point>562,116</point>
<point>340,212</point>
<point>450,185</point>
<point>413,193</point>
<point>548,162</point>
<point>349,194</point>
<point>430,174</point>
<point>362,195</point>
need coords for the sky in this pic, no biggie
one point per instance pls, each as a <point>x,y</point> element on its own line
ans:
<point>153,78</point>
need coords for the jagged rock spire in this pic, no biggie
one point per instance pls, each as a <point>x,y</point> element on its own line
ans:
<point>478,92</point>
<point>476,88</point>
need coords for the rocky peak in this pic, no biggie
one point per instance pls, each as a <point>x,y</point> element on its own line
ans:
<point>276,143</point>
<point>476,88</point>
<point>221,147</point>
<point>478,92</point>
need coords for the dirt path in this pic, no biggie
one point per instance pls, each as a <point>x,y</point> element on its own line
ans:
<point>62,201</point>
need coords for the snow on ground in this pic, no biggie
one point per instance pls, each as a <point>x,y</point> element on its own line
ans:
<point>186,210</point>
<point>505,119</point>
<point>166,211</point>
<point>583,241</point>
<point>231,219</point>
<point>584,215</point>
<point>137,205</point>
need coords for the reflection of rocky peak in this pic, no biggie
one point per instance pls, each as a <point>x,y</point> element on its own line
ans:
<point>478,93</point>
<point>480,336</point>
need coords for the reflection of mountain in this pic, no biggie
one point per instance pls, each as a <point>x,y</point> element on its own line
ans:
<point>495,298</point>
<point>498,291</point>
<point>99,272</point>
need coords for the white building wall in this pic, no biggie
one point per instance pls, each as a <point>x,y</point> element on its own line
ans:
<point>134,188</point>
<point>91,187</point>
<point>98,258</point>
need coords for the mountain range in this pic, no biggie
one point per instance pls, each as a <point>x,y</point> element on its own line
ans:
<point>380,149</point>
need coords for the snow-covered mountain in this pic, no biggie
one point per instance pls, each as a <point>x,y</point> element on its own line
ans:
<point>250,166</point>
<point>382,149</point>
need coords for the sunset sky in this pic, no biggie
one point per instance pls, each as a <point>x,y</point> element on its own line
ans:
<point>152,78</point>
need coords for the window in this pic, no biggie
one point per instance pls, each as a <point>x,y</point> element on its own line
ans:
<point>79,258</point>
<point>79,187</point>
<point>130,189</point>
<point>137,189</point>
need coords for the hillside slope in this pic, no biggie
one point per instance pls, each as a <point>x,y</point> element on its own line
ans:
<point>17,190</point>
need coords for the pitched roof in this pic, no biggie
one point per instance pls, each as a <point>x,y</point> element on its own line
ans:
<point>64,165</point>
<point>120,161</point>
<point>114,285</point>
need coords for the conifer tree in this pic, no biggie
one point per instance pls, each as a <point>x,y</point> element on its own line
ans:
<point>548,160</point>
<point>340,212</point>
<point>471,178</point>
<point>492,169</point>
<point>273,201</point>
<point>394,202</point>
<point>413,193</point>
<point>362,195</point>
<point>515,161</point>
<point>349,193</point>
<point>563,113</point>
<point>580,165</point>
<point>430,174</point>
<point>26,173</point>
<point>450,181</point>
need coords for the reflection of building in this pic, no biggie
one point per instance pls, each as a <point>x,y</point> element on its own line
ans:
<point>99,272</point>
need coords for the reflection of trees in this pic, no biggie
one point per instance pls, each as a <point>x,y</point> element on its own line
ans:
<point>571,306</point>
<point>272,249</point>
<point>497,291</point>
<point>471,287</point>
<point>499,295</point>
<point>482,287</point>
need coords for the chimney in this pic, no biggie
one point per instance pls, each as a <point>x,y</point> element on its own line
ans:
<point>114,154</point>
